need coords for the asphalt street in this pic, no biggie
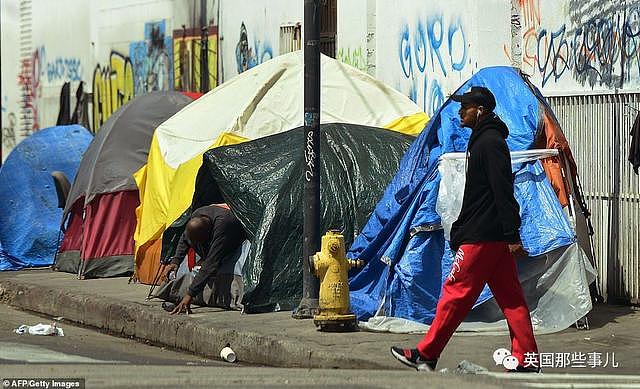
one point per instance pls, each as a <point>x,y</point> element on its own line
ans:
<point>105,361</point>
<point>80,345</point>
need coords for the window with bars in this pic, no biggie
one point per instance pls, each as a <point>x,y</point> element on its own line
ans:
<point>291,34</point>
<point>290,38</point>
<point>328,27</point>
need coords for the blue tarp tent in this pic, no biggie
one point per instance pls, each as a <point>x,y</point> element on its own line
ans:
<point>407,257</point>
<point>29,216</point>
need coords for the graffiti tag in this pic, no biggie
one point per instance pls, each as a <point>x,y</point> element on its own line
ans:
<point>29,83</point>
<point>112,87</point>
<point>9,131</point>
<point>65,69</point>
<point>601,49</point>
<point>246,56</point>
<point>150,59</point>
<point>432,50</point>
<point>309,157</point>
<point>356,57</point>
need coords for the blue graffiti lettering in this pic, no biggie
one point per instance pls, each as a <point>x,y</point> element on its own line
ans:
<point>64,69</point>
<point>151,59</point>
<point>435,39</point>
<point>263,51</point>
<point>456,27</point>
<point>440,42</point>
<point>555,60</point>
<point>405,52</point>
<point>436,96</point>
<point>420,48</point>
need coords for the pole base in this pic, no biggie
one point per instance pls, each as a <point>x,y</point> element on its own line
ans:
<point>307,309</point>
<point>336,323</point>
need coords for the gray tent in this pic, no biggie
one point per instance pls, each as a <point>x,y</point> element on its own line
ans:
<point>100,208</point>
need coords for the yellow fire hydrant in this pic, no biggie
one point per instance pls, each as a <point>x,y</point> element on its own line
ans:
<point>331,266</point>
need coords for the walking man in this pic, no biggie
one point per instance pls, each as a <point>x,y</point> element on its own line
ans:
<point>486,240</point>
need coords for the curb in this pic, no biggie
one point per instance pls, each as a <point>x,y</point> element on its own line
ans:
<point>128,319</point>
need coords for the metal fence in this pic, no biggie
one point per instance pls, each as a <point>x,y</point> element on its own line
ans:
<point>290,38</point>
<point>598,130</point>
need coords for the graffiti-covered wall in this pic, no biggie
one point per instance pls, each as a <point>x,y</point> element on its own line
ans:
<point>250,32</point>
<point>581,45</point>
<point>133,52</point>
<point>61,54</point>
<point>431,47</point>
<point>80,60</point>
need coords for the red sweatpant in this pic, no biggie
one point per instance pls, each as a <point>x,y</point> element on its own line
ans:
<point>474,265</point>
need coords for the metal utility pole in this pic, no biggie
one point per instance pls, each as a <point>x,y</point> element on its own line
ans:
<point>204,48</point>
<point>310,284</point>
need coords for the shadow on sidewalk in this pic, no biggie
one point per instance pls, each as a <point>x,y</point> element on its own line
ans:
<point>603,314</point>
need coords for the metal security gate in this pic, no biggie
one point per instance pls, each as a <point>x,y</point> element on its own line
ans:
<point>598,130</point>
<point>328,27</point>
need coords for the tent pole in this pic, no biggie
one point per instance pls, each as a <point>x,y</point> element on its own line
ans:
<point>156,279</point>
<point>311,232</point>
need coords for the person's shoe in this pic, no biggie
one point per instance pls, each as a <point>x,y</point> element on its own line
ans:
<point>411,357</point>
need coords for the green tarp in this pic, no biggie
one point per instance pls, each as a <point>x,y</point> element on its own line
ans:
<point>262,181</point>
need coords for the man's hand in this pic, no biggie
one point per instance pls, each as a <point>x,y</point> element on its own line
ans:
<point>167,270</point>
<point>517,250</point>
<point>183,306</point>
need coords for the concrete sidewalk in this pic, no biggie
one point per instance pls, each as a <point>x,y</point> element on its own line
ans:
<point>275,339</point>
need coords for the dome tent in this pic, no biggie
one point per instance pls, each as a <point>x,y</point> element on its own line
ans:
<point>30,217</point>
<point>403,244</point>
<point>262,101</point>
<point>100,208</point>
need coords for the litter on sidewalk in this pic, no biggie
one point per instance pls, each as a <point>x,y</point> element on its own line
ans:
<point>227,354</point>
<point>40,329</point>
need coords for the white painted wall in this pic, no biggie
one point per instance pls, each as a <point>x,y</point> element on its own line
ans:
<point>63,52</point>
<point>492,32</point>
<point>9,57</point>
<point>262,20</point>
<point>70,38</point>
<point>120,22</point>
<point>427,49</point>
<point>351,37</point>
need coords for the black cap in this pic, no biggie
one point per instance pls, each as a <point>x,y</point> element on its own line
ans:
<point>477,95</point>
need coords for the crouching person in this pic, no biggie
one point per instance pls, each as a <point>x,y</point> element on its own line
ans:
<point>214,233</point>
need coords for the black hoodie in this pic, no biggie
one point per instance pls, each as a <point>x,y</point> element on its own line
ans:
<point>489,211</point>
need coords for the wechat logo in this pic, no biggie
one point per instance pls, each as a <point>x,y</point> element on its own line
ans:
<point>503,357</point>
